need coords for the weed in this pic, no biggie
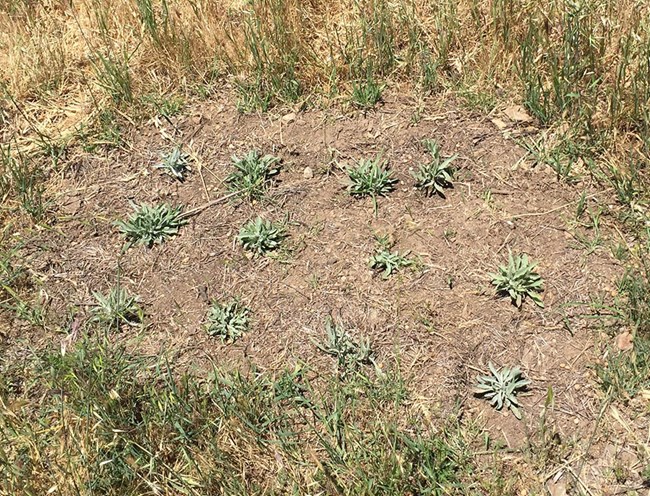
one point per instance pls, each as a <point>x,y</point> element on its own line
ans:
<point>501,388</point>
<point>114,75</point>
<point>370,178</point>
<point>349,354</point>
<point>26,180</point>
<point>518,279</point>
<point>387,261</point>
<point>261,236</point>
<point>151,224</point>
<point>116,308</point>
<point>634,287</point>
<point>626,374</point>
<point>166,106</point>
<point>228,320</point>
<point>435,175</point>
<point>154,426</point>
<point>253,174</point>
<point>366,93</point>
<point>175,163</point>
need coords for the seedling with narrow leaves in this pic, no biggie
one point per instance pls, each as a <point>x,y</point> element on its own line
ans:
<point>116,308</point>
<point>349,354</point>
<point>501,388</point>
<point>437,174</point>
<point>228,320</point>
<point>151,224</point>
<point>370,178</point>
<point>387,261</point>
<point>518,279</point>
<point>261,236</point>
<point>252,175</point>
<point>175,163</point>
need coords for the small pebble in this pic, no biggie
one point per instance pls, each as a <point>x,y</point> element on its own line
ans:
<point>308,173</point>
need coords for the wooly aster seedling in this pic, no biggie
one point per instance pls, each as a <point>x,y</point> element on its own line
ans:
<point>518,279</point>
<point>252,175</point>
<point>229,321</point>
<point>175,163</point>
<point>370,178</point>
<point>501,388</point>
<point>435,175</point>
<point>117,307</point>
<point>385,260</point>
<point>151,224</point>
<point>261,236</point>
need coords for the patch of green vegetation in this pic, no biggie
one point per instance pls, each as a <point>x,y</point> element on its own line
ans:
<point>350,354</point>
<point>501,388</point>
<point>229,321</point>
<point>175,163</point>
<point>625,374</point>
<point>151,224</point>
<point>138,424</point>
<point>253,174</point>
<point>25,179</point>
<point>370,178</point>
<point>261,236</point>
<point>116,307</point>
<point>165,105</point>
<point>385,260</point>
<point>518,279</point>
<point>437,174</point>
<point>366,92</point>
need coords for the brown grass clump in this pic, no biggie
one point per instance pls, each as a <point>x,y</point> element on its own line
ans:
<point>584,62</point>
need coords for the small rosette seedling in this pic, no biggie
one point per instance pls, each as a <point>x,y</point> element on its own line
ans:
<point>518,279</point>
<point>501,388</point>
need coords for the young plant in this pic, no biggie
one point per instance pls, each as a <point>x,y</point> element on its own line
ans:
<point>370,178</point>
<point>518,279</point>
<point>501,388</point>
<point>366,93</point>
<point>227,320</point>
<point>117,307</point>
<point>175,163</point>
<point>261,236</point>
<point>349,354</point>
<point>437,174</point>
<point>388,261</point>
<point>252,175</point>
<point>151,224</point>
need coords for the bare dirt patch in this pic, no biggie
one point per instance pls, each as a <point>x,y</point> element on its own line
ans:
<point>441,321</point>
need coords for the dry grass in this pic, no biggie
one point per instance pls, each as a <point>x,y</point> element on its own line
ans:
<point>62,62</point>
